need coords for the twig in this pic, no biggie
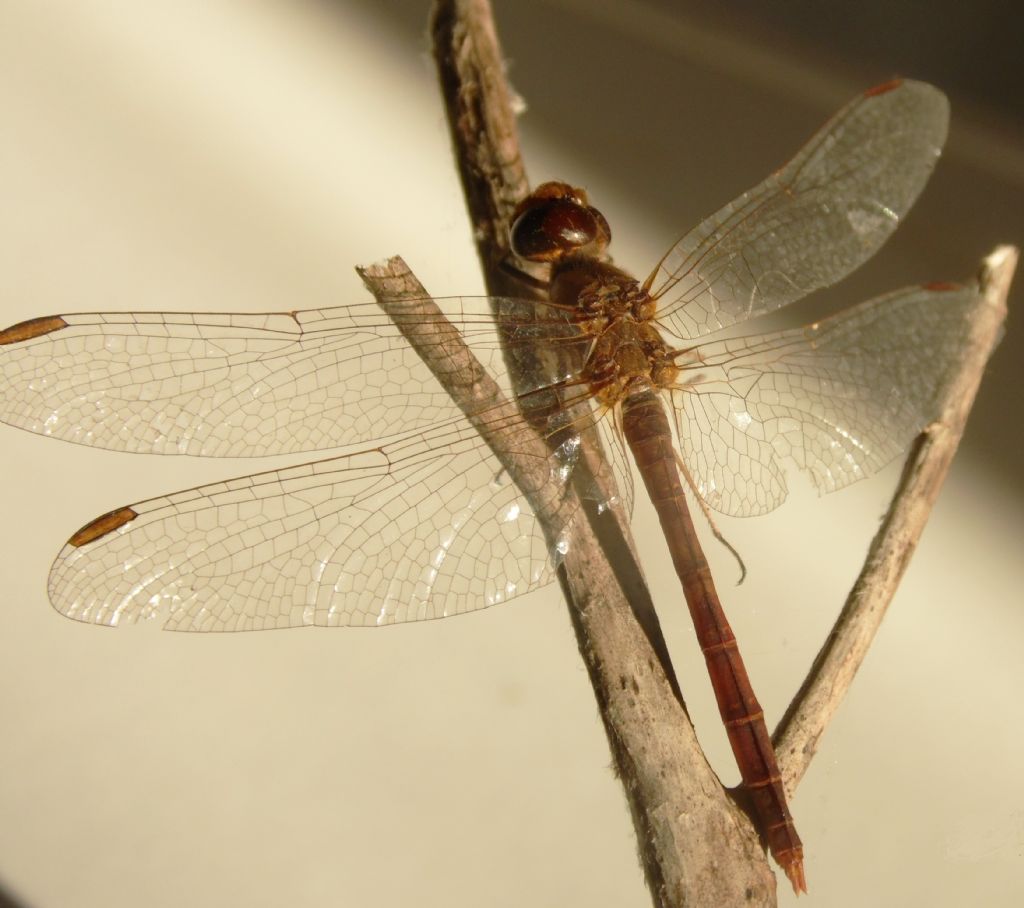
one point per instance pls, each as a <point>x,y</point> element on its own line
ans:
<point>798,734</point>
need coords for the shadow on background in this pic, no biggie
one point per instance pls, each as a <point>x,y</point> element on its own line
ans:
<point>9,901</point>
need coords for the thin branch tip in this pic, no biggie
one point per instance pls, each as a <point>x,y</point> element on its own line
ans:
<point>996,273</point>
<point>925,469</point>
<point>392,266</point>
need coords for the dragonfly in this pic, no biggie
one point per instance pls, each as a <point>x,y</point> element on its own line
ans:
<point>418,518</point>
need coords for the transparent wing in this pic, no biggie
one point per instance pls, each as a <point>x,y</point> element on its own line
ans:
<point>613,445</point>
<point>812,222</point>
<point>422,528</point>
<point>839,398</point>
<point>425,526</point>
<point>230,385</point>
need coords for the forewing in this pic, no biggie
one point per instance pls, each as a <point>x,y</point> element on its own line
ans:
<point>423,528</point>
<point>839,398</point>
<point>812,222</point>
<point>229,385</point>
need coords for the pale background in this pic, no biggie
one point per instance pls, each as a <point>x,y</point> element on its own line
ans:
<point>245,154</point>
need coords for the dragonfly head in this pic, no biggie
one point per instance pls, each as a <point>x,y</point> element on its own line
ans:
<point>555,221</point>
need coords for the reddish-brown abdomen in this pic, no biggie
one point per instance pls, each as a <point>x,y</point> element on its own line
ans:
<point>648,433</point>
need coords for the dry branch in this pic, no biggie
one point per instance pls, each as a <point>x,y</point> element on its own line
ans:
<point>929,460</point>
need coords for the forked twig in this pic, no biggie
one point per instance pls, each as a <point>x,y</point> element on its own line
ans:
<point>796,739</point>
<point>696,847</point>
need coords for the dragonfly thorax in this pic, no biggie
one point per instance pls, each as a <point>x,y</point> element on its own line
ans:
<point>628,355</point>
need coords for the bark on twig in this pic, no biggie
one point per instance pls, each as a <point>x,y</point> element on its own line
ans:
<point>796,739</point>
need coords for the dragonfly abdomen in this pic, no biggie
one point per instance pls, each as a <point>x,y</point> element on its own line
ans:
<point>649,436</point>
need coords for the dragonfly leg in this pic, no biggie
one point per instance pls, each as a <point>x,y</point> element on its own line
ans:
<point>707,516</point>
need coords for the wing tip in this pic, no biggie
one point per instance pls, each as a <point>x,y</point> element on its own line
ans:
<point>101,526</point>
<point>33,327</point>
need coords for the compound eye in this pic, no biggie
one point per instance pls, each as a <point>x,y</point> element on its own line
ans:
<point>553,229</point>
